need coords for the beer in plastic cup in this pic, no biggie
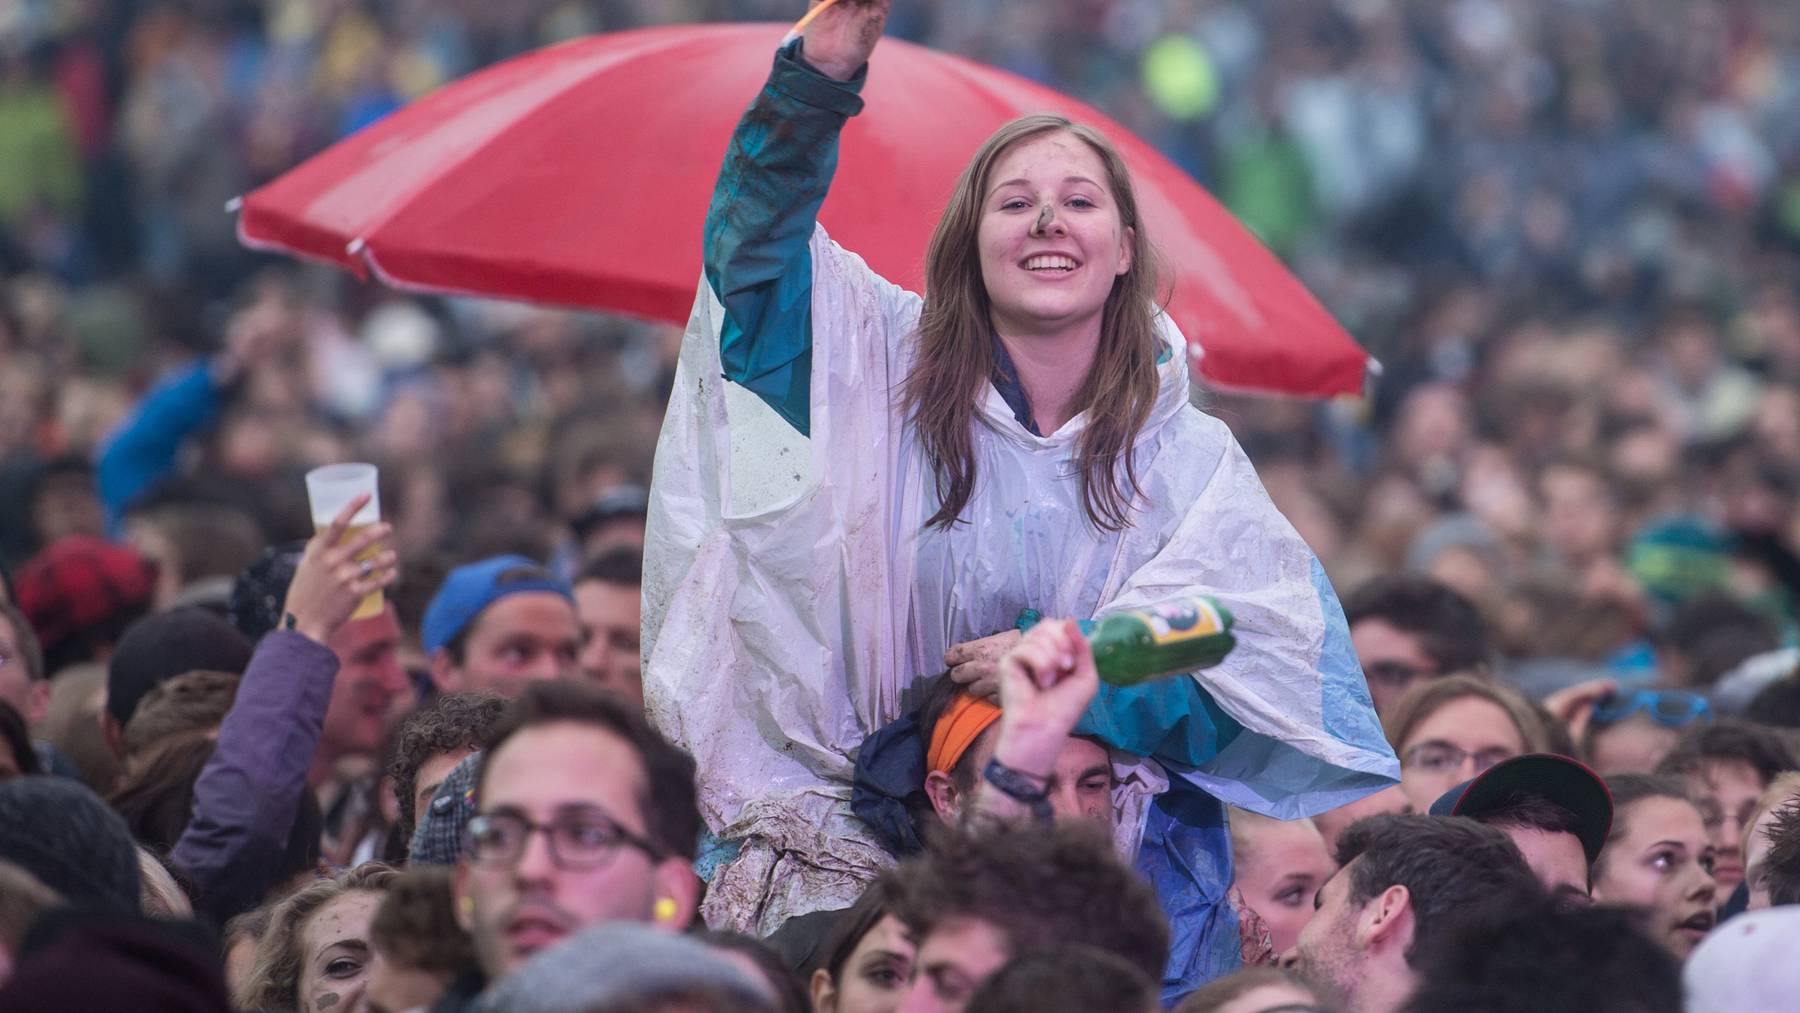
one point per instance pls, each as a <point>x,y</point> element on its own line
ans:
<point>331,488</point>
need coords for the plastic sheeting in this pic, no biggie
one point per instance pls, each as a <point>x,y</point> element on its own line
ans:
<point>791,594</point>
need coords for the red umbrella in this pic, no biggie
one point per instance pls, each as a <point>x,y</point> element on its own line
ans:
<point>579,175</point>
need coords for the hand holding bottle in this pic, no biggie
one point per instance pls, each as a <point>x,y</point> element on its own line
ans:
<point>1046,683</point>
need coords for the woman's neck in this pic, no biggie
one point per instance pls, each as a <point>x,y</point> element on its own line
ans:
<point>1052,368</point>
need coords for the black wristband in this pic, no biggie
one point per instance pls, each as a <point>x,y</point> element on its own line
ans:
<point>1021,788</point>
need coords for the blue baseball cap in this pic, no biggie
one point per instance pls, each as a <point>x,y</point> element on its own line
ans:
<point>469,590</point>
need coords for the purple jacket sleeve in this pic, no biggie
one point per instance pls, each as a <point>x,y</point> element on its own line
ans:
<point>248,793</point>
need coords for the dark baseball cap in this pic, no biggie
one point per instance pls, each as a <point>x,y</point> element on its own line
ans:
<point>1559,779</point>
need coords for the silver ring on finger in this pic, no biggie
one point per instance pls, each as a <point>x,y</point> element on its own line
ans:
<point>366,567</point>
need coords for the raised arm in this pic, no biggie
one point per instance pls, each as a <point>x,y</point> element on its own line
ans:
<point>777,170</point>
<point>249,792</point>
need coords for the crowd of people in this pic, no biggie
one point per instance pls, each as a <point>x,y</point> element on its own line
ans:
<point>1563,523</point>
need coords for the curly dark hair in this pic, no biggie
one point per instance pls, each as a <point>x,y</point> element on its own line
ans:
<point>1039,887</point>
<point>1728,740</point>
<point>1513,955</point>
<point>669,801</point>
<point>1448,626</point>
<point>1781,863</point>
<point>415,926</point>
<point>1448,865</point>
<point>449,723</point>
<point>1067,979</point>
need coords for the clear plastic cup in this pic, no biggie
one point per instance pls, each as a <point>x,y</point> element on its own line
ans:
<point>331,488</point>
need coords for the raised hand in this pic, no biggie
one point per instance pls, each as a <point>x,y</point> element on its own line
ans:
<point>1046,684</point>
<point>840,40</point>
<point>330,581</point>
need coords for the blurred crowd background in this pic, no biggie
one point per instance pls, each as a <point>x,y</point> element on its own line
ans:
<point>1568,229</point>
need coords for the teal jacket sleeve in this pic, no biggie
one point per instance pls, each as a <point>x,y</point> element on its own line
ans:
<point>144,448</point>
<point>757,258</point>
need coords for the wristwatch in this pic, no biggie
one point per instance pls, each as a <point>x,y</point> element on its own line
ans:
<point>1021,788</point>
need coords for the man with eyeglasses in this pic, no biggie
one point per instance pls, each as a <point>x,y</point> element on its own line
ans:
<point>1556,811</point>
<point>1407,629</point>
<point>499,624</point>
<point>583,814</point>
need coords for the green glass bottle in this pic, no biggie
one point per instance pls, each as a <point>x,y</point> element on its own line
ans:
<point>1165,639</point>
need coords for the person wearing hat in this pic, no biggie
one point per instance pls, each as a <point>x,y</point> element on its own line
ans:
<point>80,594</point>
<point>498,624</point>
<point>158,648</point>
<point>1556,810</point>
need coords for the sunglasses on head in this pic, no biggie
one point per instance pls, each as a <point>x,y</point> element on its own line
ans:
<point>1671,708</point>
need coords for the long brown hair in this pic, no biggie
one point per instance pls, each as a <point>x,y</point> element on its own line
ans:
<point>955,350</point>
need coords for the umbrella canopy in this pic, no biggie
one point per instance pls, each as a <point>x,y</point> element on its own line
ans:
<point>579,175</point>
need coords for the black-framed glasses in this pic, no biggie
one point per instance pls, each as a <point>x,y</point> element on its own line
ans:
<point>1443,758</point>
<point>579,841</point>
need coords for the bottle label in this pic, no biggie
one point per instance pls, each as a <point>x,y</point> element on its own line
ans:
<point>1176,621</point>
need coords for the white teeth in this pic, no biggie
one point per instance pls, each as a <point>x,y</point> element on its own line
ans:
<point>1046,262</point>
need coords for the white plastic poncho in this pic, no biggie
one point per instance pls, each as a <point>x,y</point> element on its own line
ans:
<point>791,593</point>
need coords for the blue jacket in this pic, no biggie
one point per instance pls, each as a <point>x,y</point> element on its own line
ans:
<point>144,447</point>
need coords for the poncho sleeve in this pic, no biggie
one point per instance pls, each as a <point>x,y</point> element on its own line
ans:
<point>765,204</point>
<point>1284,725</point>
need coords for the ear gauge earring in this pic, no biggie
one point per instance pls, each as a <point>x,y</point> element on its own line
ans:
<point>468,905</point>
<point>665,909</point>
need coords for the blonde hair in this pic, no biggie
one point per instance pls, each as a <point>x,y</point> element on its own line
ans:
<point>158,893</point>
<point>1784,788</point>
<point>1427,698</point>
<point>1244,824</point>
<point>274,979</point>
<point>955,354</point>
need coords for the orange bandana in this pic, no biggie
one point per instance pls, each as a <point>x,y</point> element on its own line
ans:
<point>957,729</point>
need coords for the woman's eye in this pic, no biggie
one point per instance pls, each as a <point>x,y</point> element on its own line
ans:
<point>886,978</point>
<point>1081,202</point>
<point>343,967</point>
<point>1291,897</point>
<point>1662,861</point>
<point>1015,204</point>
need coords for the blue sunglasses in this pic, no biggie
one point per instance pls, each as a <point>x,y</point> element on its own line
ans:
<point>1671,708</point>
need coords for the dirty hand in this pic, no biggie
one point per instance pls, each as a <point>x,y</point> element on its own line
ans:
<point>839,42</point>
<point>973,663</point>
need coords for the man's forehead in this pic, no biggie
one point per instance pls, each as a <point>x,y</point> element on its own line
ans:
<point>360,633</point>
<point>523,610</point>
<point>563,763</point>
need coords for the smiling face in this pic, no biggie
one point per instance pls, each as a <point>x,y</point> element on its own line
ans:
<point>335,954</point>
<point>1050,237</point>
<point>368,682</point>
<point>1661,861</point>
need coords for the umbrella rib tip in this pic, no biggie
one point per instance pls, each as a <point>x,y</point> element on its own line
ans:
<point>355,246</point>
